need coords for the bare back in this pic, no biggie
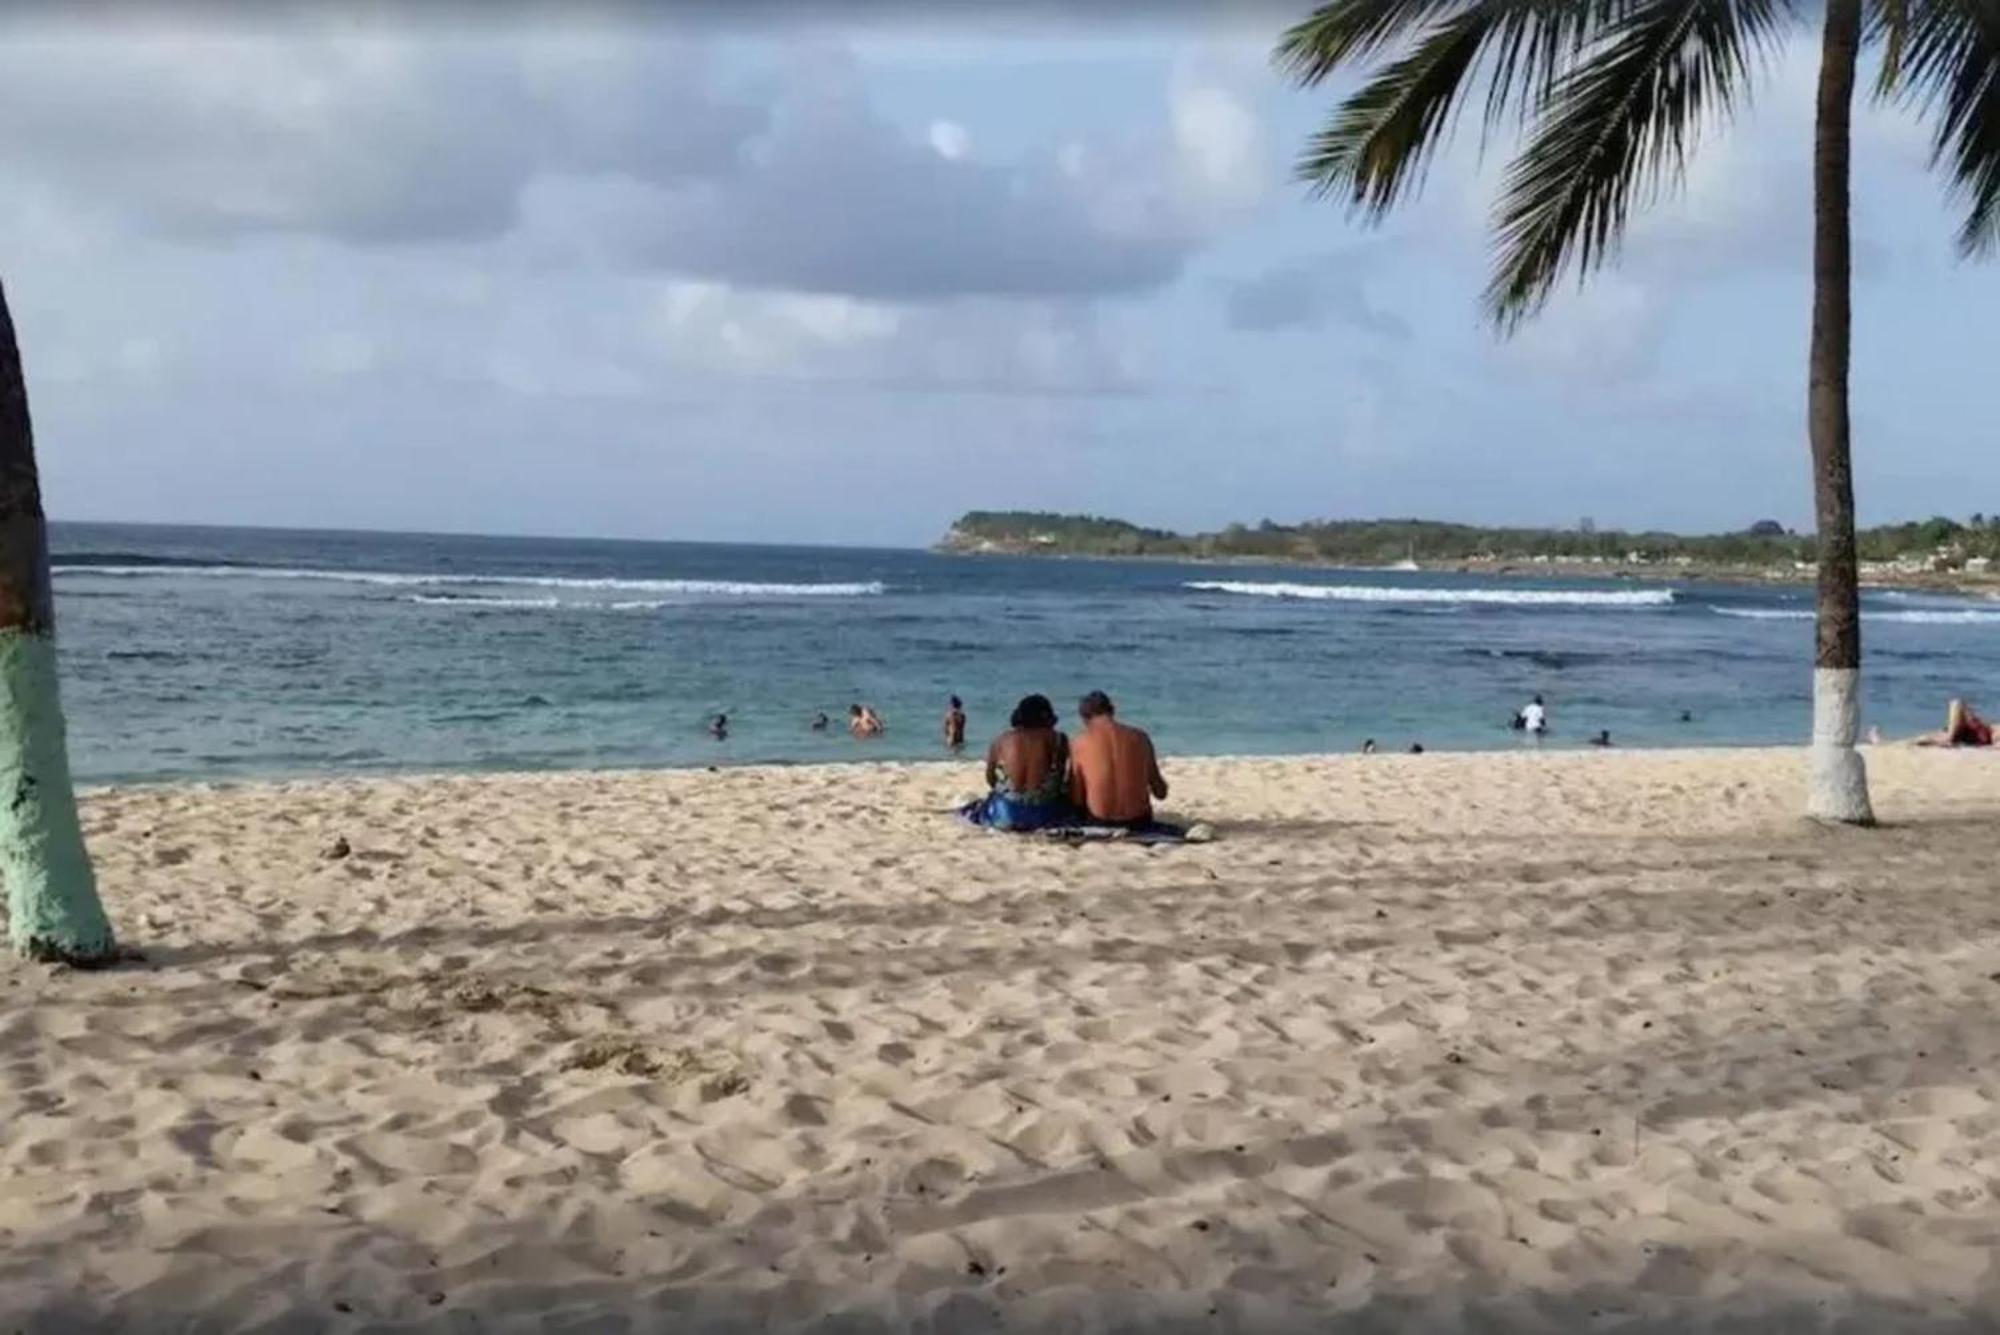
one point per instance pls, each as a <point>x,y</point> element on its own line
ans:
<point>1031,762</point>
<point>1114,774</point>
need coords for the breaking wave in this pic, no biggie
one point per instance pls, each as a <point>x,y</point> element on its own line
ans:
<point>1924,616</point>
<point>1386,593</point>
<point>684,588</point>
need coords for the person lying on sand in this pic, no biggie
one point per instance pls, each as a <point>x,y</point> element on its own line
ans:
<point>863,721</point>
<point>1027,772</point>
<point>1114,773</point>
<point>1962,727</point>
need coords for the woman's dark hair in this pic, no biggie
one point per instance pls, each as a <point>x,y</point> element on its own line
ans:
<point>1034,711</point>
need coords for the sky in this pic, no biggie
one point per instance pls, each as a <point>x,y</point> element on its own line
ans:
<point>819,276</point>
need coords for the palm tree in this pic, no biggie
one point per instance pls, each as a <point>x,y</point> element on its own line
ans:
<point>52,903</point>
<point>1613,95</point>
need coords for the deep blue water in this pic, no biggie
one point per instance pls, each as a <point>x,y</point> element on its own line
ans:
<point>221,653</point>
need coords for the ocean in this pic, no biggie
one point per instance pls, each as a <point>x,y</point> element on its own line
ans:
<point>221,654</point>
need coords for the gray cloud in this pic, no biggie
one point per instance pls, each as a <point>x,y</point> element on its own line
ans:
<point>367,140</point>
<point>642,160</point>
<point>838,201</point>
<point>1309,294</point>
<point>1067,17</point>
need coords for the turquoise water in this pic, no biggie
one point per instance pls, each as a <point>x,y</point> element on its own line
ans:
<point>217,653</point>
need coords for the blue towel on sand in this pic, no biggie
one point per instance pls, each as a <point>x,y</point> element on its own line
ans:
<point>1146,832</point>
<point>999,811</point>
<point>1012,812</point>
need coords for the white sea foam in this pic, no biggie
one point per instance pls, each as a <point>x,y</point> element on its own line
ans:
<point>454,600</point>
<point>1394,593</point>
<point>710,588</point>
<point>1762,613</point>
<point>540,604</point>
<point>1926,616</point>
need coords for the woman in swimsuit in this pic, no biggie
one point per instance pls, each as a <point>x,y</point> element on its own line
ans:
<point>1962,727</point>
<point>1027,771</point>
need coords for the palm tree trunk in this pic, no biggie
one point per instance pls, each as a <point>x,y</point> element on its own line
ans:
<point>1837,784</point>
<point>52,902</point>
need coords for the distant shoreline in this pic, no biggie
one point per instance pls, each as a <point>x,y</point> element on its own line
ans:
<point>1946,582</point>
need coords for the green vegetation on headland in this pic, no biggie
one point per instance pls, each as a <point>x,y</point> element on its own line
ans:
<point>1931,546</point>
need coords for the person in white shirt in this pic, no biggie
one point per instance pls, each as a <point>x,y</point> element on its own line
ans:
<point>1535,717</point>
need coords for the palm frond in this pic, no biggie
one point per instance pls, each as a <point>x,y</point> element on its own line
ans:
<point>1616,127</point>
<point>1347,31</point>
<point>1889,24</point>
<point>1383,137</point>
<point>1377,144</point>
<point>1948,66</point>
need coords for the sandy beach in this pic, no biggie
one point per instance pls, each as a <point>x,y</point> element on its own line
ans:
<point>1507,1042</point>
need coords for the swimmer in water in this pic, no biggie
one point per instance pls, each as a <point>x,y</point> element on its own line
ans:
<point>1603,737</point>
<point>954,725</point>
<point>718,727</point>
<point>821,722</point>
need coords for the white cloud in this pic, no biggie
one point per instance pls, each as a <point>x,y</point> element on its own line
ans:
<point>1221,145</point>
<point>1041,347</point>
<point>950,140</point>
<point>714,327</point>
<point>1610,330</point>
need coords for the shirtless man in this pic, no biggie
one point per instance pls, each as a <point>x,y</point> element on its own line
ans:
<point>1113,774</point>
<point>954,725</point>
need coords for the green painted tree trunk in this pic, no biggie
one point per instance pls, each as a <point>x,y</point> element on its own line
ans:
<point>1837,778</point>
<point>54,913</point>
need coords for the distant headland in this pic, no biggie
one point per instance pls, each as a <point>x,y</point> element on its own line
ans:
<point>1937,552</point>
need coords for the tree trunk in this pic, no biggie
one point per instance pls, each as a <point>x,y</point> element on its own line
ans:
<point>51,893</point>
<point>1837,782</point>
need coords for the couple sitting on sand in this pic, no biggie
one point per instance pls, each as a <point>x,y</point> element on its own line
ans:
<point>1039,778</point>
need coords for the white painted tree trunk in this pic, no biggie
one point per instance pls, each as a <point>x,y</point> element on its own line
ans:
<point>1836,777</point>
<point>52,904</point>
<point>1836,774</point>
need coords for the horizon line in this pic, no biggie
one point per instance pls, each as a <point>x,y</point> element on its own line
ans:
<point>371,531</point>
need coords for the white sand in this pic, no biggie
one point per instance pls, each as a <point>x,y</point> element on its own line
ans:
<point>1523,1042</point>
